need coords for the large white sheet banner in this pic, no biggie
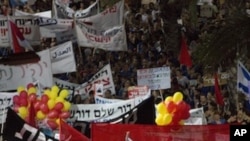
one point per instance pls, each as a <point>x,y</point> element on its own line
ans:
<point>13,76</point>
<point>154,78</point>
<point>104,112</point>
<point>102,100</point>
<point>103,76</point>
<point>112,16</point>
<point>197,117</point>
<point>46,14</point>
<point>28,26</point>
<point>6,100</point>
<point>63,58</point>
<point>113,39</point>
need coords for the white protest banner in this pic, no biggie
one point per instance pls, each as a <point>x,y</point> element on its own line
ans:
<point>154,78</point>
<point>101,100</point>
<point>28,26</point>
<point>6,100</point>
<point>134,91</point>
<point>101,113</point>
<point>197,117</point>
<point>113,39</point>
<point>67,12</point>
<point>63,58</point>
<point>22,75</point>
<point>98,89</point>
<point>110,17</point>
<point>46,14</point>
<point>103,76</point>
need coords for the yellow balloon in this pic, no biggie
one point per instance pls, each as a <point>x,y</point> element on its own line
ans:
<point>167,119</point>
<point>159,120</point>
<point>32,90</point>
<point>51,103</point>
<point>55,89</point>
<point>161,108</point>
<point>20,88</point>
<point>59,99</point>
<point>40,115</point>
<point>23,112</point>
<point>168,99</point>
<point>64,93</point>
<point>178,97</point>
<point>66,106</point>
<point>52,95</point>
<point>58,121</point>
<point>47,92</point>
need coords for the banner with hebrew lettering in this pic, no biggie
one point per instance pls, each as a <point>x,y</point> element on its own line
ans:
<point>197,117</point>
<point>110,17</point>
<point>13,76</point>
<point>63,58</point>
<point>154,78</point>
<point>102,100</point>
<point>104,113</point>
<point>41,14</point>
<point>28,26</point>
<point>6,100</point>
<point>112,39</point>
<point>103,76</point>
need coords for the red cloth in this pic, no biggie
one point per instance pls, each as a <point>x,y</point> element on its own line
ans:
<point>218,95</point>
<point>185,58</point>
<point>15,34</point>
<point>68,133</point>
<point>32,114</point>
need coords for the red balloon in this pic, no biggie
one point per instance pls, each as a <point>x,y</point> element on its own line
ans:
<point>23,102</point>
<point>53,114</point>
<point>30,85</point>
<point>181,106</point>
<point>171,107</point>
<point>44,108</point>
<point>59,106</point>
<point>32,97</point>
<point>65,115</point>
<point>52,124</point>
<point>16,100</point>
<point>37,105</point>
<point>23,94</point>
<point>44,98</point>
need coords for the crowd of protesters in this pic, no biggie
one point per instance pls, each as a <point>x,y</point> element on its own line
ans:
<point>146,49</point>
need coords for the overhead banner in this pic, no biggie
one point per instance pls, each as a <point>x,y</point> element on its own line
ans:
<point>104,113</point>
<point>154,78</point>
<point>28,26</point>
<point>13,76</point>
<point>135,132</point>
<point>63,58</point>
<point>110,17</point>
<point>113,39</point>
<point>197,117</point>
<point>103,76</point>
<point>64,11</point>
<point>46,14</point>
<point>6,100</point>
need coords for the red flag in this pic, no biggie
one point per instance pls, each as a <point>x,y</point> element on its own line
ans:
<point>185,58</point>
<point>31,117</point>
<point>68,133</point>
<point>218,95</point>
<point>19,42</point>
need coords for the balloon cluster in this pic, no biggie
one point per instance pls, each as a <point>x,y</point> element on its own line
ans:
<point>48,107</point>
<point>172,111</point>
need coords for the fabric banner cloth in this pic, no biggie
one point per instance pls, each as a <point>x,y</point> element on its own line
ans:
<point>28,26</point>
<point>63,58</point>
<point>133,132</point>
<point>21,75</point>
<point>6,100</point>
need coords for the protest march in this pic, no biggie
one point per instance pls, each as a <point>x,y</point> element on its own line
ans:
<point>94,70</point>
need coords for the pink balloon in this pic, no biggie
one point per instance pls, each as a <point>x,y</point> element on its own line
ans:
<point>32,97</point>
<point>15,108</point>
<point>52,124</point>
<point>53,114</point>
<point>59,106</point>
<point>65,115</point>
<point>44,98</point>
<point>30,85</point>
<point>44,108</point>
<point>23,102</point>
<point>16,100</point>
<point>37,105</point>
<point>23,94</point>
